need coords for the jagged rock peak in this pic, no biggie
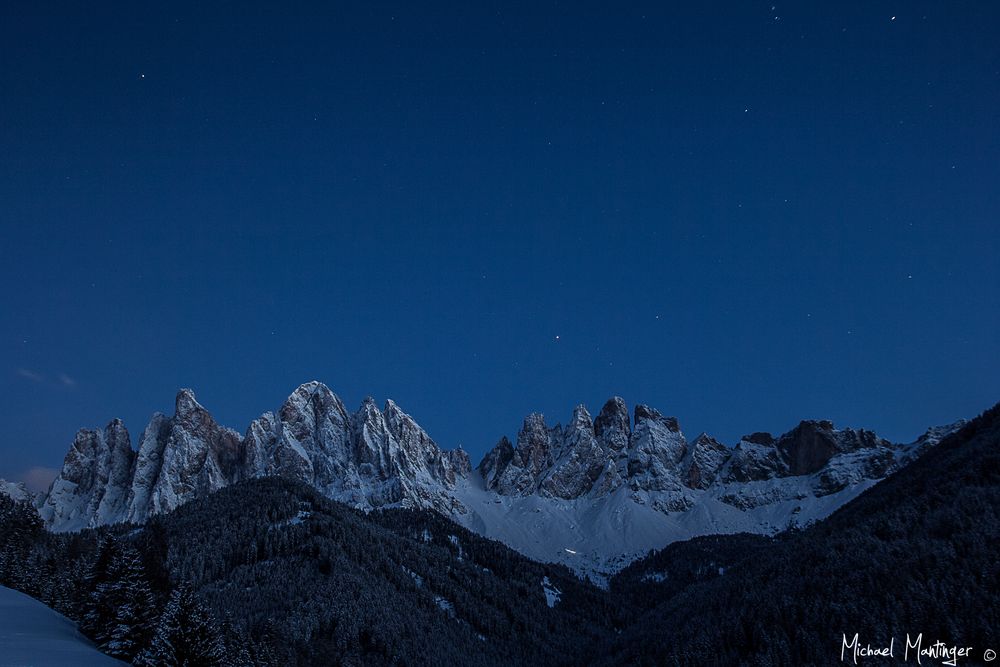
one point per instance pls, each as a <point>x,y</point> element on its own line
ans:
<point>307,390</point>
<point>186,403</point>
<point>533,421</point>
<point>533,440</point>
<point>705,439</point>
<point>759,438</point>
<point>92,486</point>
<point>644,412</point>
<point>612,424</point>
<point>311,387</point>
<point>310,402</point>
<point>810,445</point>
<point>613,413</point>
<point>495,462</point>
<point>503,445</point>
<point>581,418</point>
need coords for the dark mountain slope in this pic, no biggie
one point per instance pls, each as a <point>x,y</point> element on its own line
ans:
<point>326,584</point>
<point>650,581</point>
<point>915,554</point>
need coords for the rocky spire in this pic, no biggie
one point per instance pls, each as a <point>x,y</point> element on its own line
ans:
<point>655,451</point>
<point>311,437</point>
<point>92,487</point>
<point>199,456</point>
<point>581,459</point>
<point>532,456</point>
<point>148,463</point>
<point>612,425</point>
<point>495,462</point>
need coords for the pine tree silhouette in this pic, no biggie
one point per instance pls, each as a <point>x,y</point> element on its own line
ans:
<point>186,635</point>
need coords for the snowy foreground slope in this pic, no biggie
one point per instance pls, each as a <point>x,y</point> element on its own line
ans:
<point>593,494</point>
<point>32,635</point>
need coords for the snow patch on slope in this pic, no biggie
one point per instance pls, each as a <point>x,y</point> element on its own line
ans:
<point>589,535</point>
<point>552,594</point>
<point>32,634</point>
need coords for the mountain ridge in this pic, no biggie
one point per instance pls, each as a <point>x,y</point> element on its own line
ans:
<point>593,494</point>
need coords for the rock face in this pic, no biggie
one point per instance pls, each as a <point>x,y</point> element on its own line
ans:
<point>651,458</point>
<point>94,483</point>
<point>196,456</point>
<point>703,461</point>
<point>616,485</point>
<point>372,458</point>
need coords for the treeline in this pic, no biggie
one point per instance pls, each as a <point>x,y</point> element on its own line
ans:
<point>104,583</point>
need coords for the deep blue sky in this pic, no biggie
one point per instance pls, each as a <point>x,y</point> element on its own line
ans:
<point>743,216</point>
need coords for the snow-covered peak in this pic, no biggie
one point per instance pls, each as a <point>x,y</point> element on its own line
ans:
<point>92,487</point>
<point>371,458</point>
<point>593,491</point>
<point>312,402</point>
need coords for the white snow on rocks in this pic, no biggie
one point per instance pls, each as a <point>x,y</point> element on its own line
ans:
<point>552,594</point>
<point>594,494</point>
<point>445,606</point>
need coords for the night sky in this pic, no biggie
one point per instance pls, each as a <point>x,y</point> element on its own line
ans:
<point>741,214</point>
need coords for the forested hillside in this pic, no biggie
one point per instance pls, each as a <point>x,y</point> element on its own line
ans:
<point>271,572</point>
<point>915,554</point>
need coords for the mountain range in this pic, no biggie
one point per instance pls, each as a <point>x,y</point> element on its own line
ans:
<point>594,494</point>
<point>277,573</point>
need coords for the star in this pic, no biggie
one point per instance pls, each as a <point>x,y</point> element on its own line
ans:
<point>141,75</point>
<point>557,337</point>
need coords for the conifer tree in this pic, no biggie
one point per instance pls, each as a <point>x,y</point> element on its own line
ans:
<point>130,597</point>
<point>97,613</point>
<point>186,635</point>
